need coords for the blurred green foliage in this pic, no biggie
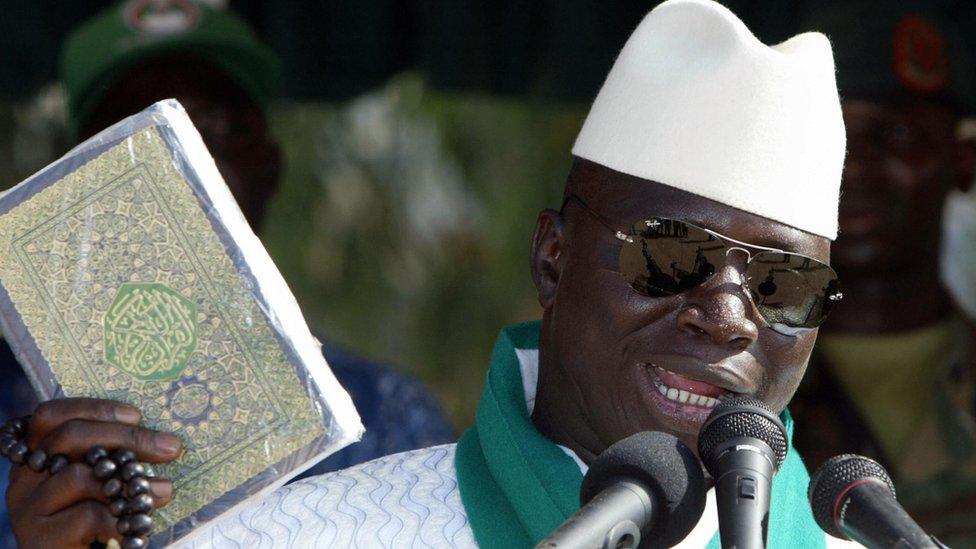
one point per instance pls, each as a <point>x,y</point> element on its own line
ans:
<point>404,220</point>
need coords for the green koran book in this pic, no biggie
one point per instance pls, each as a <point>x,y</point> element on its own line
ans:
<point>127,272</point>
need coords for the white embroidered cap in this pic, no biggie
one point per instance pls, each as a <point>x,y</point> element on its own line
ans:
<point>697,102</point>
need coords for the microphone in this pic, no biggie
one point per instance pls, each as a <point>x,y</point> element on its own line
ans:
<point>853,498</point>
<point>646,490</point>
<point>742,444</point>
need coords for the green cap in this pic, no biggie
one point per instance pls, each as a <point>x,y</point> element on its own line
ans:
<point>137,30</point>
<point>904,46</point>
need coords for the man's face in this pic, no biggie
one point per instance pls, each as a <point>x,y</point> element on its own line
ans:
<point>612,345</point>
<point>238,141</point>
<point>231,124</point>
<point>901,162</point>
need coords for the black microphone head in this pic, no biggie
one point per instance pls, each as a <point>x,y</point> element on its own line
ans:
<point>741,417</point>
<point>833,479</point>
<point>668,468</point>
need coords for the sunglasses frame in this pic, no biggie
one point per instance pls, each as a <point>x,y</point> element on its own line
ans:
<point>739,245</point>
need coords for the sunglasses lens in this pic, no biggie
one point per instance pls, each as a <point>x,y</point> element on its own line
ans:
<point>792,290</point>
<point>668,257</point>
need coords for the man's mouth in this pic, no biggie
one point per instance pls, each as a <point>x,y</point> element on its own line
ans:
<point>682,390</point>
<point>680,404</point>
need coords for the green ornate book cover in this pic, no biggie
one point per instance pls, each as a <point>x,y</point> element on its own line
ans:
<point>125,288</point>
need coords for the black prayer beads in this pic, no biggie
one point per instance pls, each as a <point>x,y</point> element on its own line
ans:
<point>125,481</point>
<point>126,484</point>
<point>13,447</point>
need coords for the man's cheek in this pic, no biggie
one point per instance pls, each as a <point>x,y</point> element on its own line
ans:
<point>787,384</point>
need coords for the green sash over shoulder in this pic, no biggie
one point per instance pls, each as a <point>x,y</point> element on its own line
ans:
<point>518,486</point>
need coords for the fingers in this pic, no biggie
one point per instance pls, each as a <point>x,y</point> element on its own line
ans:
<point>75,527</point>
<point>161,492</point>
<point>53,413</point>
<point>87,522</point>
<point>23,483</point>
<point>73,484</point>
<point>70,508</point>
<point>76,436</point>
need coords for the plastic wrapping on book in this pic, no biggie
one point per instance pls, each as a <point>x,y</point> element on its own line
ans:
<point>128,272</point>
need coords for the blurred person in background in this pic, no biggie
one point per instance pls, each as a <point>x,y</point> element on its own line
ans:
<point>957,251</point>
<point>139,52</point>
<point>892,376</point>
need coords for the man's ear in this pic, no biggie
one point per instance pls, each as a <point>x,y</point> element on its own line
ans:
<point>965,164</point>
<point>547,249</point>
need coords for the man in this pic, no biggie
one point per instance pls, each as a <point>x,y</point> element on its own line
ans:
<point>696,122</point>
<point>648,320</point>
<point>891,378</point>
<point>212,62</point>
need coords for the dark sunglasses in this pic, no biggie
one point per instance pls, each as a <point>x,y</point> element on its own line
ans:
<point>662,257</point>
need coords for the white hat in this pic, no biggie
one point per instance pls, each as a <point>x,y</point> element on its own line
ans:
<point>697,102</point>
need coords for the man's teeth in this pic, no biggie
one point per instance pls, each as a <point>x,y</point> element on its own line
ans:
<point>684,397</point>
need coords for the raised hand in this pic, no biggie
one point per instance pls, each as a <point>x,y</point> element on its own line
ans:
<point>70,508</point>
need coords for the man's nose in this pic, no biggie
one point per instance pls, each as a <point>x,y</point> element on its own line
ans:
<point>720,310</point>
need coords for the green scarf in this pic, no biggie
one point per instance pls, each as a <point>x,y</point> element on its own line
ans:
<point>517,486</point>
